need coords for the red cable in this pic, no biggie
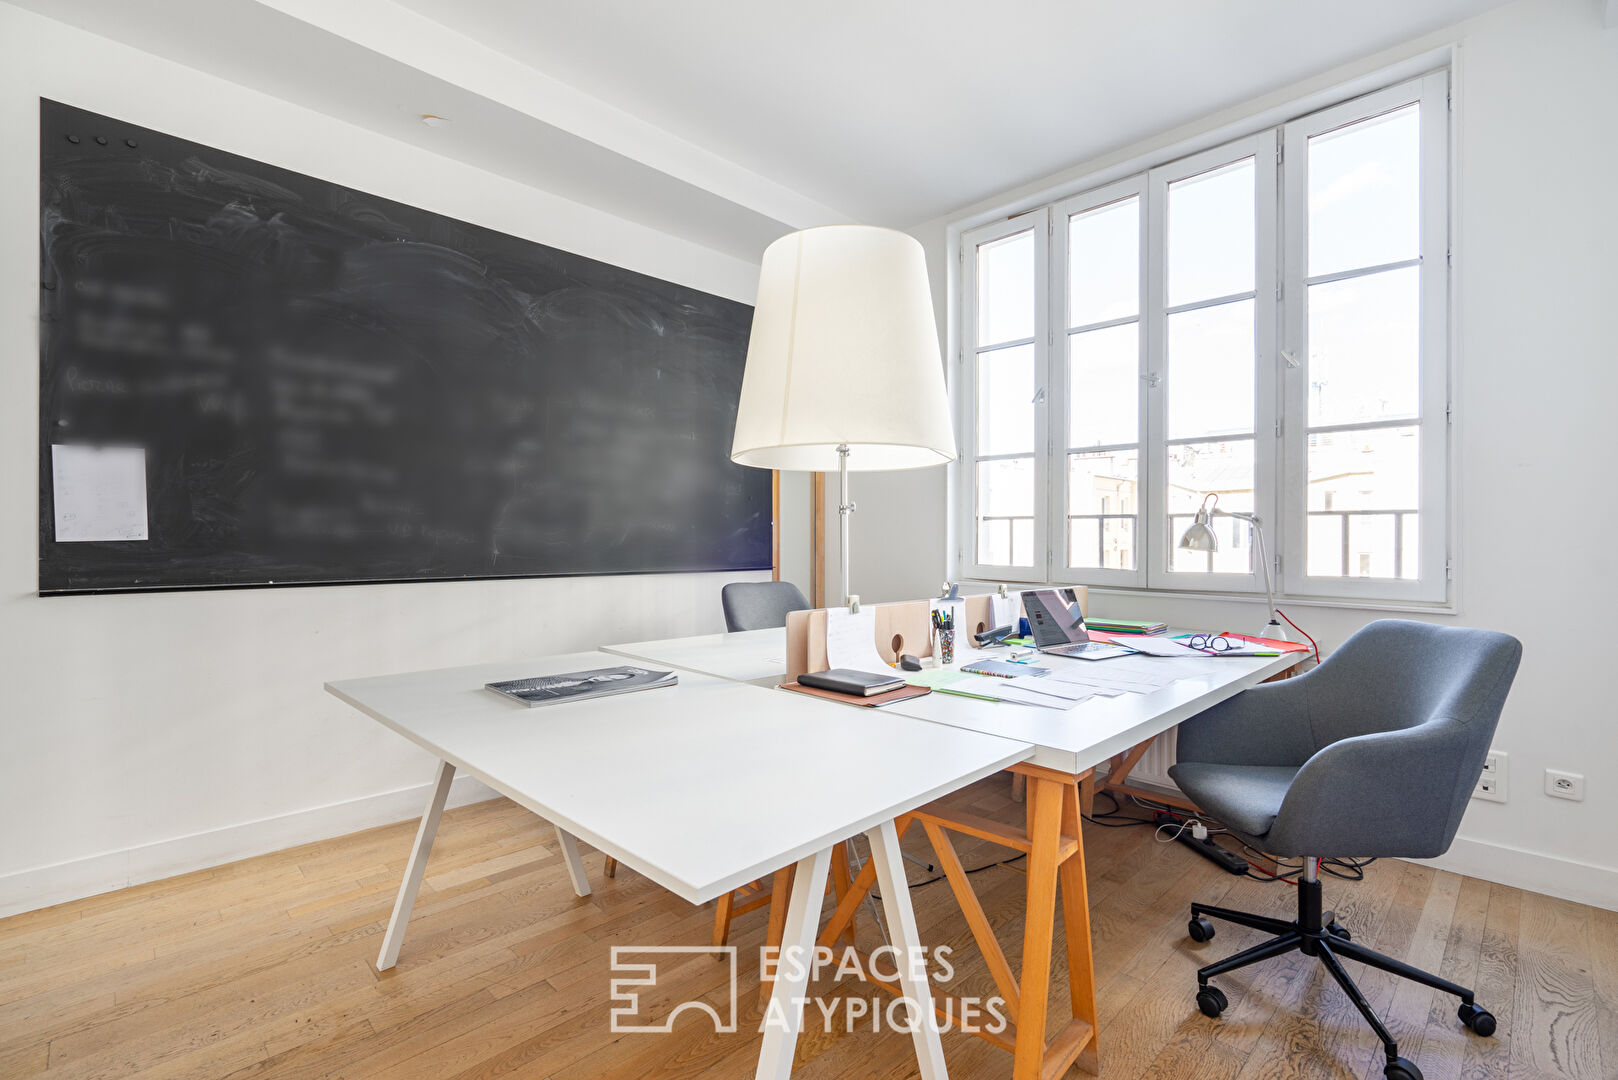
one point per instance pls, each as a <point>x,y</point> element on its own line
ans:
<point>1300,630</point>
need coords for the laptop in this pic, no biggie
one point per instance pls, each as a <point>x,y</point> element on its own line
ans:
<point>1058,629</point>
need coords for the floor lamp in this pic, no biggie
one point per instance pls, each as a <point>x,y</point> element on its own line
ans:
<point>843,368</point>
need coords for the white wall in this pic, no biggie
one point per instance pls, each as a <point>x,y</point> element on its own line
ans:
<point>1537,383</point>
<point>143,735</point>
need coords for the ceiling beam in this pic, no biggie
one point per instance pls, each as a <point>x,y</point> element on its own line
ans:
<point>394,31</point>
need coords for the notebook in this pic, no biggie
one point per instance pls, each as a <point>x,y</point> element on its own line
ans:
<point>852,682</point>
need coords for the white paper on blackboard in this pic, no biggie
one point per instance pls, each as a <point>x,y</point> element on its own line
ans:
<point>99,492</point>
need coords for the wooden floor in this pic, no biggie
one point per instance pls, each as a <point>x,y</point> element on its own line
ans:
<point>264,968</point>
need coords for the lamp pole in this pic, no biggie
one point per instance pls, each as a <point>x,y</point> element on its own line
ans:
<point>845,507</point>
<point>1273,628</point>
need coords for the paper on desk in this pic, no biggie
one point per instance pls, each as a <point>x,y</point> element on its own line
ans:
<point>1004,611</point>
<point>1074,692</point>
<point>851,641</point>
<point>951,681</point>
<point>99,492</point>
<point>1001,690</point>
<point>1095,686</point>
<point>1020,696</point>
<point>1152,646</point>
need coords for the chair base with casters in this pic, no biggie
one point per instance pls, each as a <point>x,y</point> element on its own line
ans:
<point>1316,933</point>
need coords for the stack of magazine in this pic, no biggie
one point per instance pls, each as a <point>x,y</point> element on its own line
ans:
<point>582,685</point>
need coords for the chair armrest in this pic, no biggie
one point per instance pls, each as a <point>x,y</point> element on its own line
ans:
<point>1390,794</point>
<point>1267,724</point>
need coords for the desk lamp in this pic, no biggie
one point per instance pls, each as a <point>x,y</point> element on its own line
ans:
<point>1199,536</point>
<point>843,368</point>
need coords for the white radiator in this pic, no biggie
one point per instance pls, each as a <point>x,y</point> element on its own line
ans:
<point>1153,769</point>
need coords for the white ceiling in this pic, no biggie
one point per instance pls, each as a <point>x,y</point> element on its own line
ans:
<point>897,111</point>
<point>730,122</point>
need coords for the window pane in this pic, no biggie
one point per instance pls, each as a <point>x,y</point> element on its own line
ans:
<point>1327,535</point>
<point>1103,502</point>
<point>1365,193</point>
<point>1211,237</point>
<point>1103,386</point>
<point>1363,490</point>
<point>1006,289</point>
<point>1365,348</point>
<point>1210,371</point>
<point>1104,263</point>
<point>1224,469</point>
<point>1005,401</point>
<point>1005,493</point>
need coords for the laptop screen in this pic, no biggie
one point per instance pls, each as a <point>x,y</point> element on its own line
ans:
<point>1051,621</point>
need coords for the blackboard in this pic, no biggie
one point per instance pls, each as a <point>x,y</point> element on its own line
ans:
<point>331,387</point>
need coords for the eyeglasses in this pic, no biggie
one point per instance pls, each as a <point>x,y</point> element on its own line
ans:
<point>1211,642</point>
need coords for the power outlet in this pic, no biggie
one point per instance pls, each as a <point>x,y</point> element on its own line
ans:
<point>1491,783</point>
<point>1564,785</point>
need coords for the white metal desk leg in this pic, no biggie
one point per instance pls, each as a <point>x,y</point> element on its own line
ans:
<point>784,1017</point>
<point>890,878</point>
<point>416,867</point>
<point>575,865</point>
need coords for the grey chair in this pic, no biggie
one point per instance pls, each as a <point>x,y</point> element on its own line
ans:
<point>759,605</point>
<point>1372,754</point>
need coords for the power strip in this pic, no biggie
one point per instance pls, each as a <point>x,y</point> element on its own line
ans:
<point>1209,850</point>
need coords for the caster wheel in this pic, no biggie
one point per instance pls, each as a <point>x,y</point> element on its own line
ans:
<point>1402,1069</point>
<point>1200,930</point>
<point>1481,1021</point>
<point>1212,1001</point>
<point>1338,931</point>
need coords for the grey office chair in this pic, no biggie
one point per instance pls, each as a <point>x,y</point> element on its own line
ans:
<point>1373,754</point>
<point>759,605</point>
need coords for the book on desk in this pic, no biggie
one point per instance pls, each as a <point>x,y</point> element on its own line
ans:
<point>581,685</point>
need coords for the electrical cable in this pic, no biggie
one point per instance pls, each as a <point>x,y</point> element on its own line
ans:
<point>968,871</point>
<point>1313,643</point>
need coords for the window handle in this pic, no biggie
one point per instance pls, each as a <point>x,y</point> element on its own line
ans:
<point>1151,379</point>
<point>1290,357</point>
<point>1039,398</point>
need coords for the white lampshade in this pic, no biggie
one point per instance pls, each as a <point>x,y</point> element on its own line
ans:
<point>844,350</point>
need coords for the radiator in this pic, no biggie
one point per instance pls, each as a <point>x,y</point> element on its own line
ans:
<point>1153,769</point>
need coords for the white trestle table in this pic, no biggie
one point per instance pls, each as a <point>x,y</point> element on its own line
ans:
<point>715,784</point>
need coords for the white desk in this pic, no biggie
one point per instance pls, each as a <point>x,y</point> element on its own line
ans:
<point>750,656</point>
<point>1068,745</point>
<point>790,790</point>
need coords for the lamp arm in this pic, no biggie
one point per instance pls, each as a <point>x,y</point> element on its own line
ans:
<point>1263,556</point>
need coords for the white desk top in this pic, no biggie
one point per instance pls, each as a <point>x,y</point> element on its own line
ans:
<point>1071,740</point>
<point>702,786</point>
<point>1074,740</point>
<point>755,656</point>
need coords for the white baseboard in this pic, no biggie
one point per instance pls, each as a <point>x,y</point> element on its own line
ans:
<point>1567,879</point>
<point>43,886</point>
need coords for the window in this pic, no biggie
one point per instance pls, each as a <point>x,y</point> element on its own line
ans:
<point>1261,326</point>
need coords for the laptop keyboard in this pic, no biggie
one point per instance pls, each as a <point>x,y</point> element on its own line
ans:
<point>1082,649</point>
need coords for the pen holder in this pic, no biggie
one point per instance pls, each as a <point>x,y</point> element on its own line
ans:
<point>946,647</point>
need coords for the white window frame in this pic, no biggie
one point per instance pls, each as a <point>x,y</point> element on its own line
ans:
<point>1160,545</point>
<point>1431,92</point>
<point>966,382</point>
<point>1057,380</point>
<point>1280,335</point>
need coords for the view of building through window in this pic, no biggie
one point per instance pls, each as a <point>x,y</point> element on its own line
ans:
<point>1180,372</point>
